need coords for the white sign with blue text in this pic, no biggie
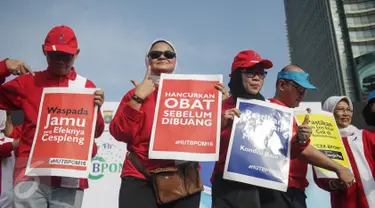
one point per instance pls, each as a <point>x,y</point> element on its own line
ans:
<point>259,147</point>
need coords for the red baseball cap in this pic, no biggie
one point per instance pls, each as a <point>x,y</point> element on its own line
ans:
<point>249,58</point>
<point>61,38</point>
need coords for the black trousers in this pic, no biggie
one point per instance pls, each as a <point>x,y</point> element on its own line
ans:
<point>230,194</point>
<point>293,198</point>
<point>138,193</point>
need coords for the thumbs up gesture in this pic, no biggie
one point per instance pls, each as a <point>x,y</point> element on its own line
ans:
<point>146,87</point>
<point>304,131</point>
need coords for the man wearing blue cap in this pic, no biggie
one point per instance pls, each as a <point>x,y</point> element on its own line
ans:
<point>368,111</point>
<point>292,83</point>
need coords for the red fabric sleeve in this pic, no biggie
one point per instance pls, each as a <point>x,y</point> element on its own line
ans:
<point>323,183</point>
<point>6,150</point>
<point>4,73</point>
<point>16,152</point>
<point>11,92</point>
<point>94,150</point>
<point>369,137</point>
<point>297,148</point>
<point>127,121</point>
<point>99,120</point>
<point>16,132</point>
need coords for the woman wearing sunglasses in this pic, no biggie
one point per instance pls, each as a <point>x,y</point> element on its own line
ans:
<point>132,124</point>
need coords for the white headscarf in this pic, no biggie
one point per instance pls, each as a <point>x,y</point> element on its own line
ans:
<point>3,120</point>
<point>330,105</point>
<point>155,77</point>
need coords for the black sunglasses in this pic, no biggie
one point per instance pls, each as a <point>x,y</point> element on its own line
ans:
<point>157,54</point>
<point>59,56</point>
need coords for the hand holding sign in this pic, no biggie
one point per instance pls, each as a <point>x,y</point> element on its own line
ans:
<point>229,116</point>
<point>221,87</point>
<point>18,67</point>
<point>304,131</point>
<point>146,87</point>
<point>99,97</point>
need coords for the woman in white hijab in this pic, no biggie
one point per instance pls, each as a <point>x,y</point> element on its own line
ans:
<point>360,147</point>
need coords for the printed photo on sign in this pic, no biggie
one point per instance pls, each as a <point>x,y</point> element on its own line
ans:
<point>326,138</point>
<point>187,118</point>
<point>259,147</point>
<point>64,134</point>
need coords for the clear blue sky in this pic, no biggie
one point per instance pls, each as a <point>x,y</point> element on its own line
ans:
<point>114,36</point>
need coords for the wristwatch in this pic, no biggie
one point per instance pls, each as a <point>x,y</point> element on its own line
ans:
<point>138,99</point>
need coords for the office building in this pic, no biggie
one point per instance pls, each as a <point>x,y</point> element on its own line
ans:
<point>334,41</point>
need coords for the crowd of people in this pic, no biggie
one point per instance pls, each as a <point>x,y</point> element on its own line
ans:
<point>133,121</point>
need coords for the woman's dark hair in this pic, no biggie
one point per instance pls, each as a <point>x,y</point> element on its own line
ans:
<point>368,115</point>
<point>237,89</point>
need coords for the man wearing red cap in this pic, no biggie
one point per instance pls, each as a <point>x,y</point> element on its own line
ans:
<point>24,93</point>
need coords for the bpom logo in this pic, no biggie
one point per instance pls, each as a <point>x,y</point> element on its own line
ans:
<point>97,166</point>
<point>104,164</point>
<point>108,115</point>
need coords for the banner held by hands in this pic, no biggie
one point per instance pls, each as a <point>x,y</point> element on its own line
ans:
<point>326,138</point>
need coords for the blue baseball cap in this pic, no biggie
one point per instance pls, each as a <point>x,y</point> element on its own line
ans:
<point>371,96</point>
<point>301,78</point>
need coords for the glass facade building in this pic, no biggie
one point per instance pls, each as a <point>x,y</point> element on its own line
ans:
<point>334,41</point>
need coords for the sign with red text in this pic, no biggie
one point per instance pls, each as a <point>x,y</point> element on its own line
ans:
<point>187,118</point>
<point>64,133</point>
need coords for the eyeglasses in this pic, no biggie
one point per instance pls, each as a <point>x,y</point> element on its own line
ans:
<point>157,54</point>
<point>299,88</point>
<point>343,110</point>
<point>251,73</point>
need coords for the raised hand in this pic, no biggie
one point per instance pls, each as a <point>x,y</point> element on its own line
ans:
<point>146,87</point>
<point>304,131</point>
